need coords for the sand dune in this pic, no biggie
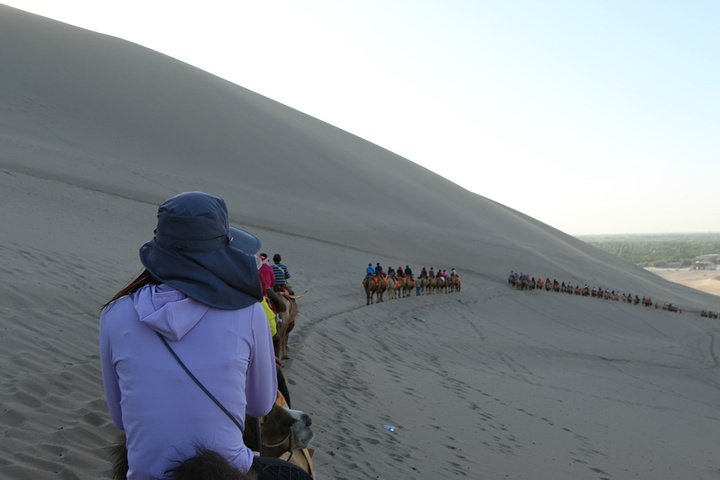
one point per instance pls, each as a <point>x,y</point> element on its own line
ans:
<point>95,132</point>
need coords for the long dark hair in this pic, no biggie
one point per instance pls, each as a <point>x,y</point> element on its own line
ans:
<point>205,465</point>
<point>144,278</point>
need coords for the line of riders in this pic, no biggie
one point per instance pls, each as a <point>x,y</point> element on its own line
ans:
<point>401,282</point>
<point>525,282</point>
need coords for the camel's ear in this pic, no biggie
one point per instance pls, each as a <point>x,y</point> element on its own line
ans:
<point>118,457</point>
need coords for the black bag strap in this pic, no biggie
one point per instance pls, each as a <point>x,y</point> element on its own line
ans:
<point>202,387</point>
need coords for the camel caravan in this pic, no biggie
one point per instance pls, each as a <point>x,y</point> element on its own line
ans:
<point>283,433</point>
<point>522,281</point>
<point>401,283</point>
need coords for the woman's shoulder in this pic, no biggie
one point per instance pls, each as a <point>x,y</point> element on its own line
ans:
<point>121,303</point>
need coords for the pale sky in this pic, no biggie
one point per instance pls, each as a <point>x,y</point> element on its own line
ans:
<point>593,116</point>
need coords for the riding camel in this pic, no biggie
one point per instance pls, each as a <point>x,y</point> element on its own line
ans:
<point>382,285</point>
<point>408,286</point>
<point>370,285</point>
<point>393,287</point>
<point>454,282</point>
<point>431,285</point>
<point>287,323</point>
<point>441,284</point>
<point>284,434</point>
<point>401,287</point>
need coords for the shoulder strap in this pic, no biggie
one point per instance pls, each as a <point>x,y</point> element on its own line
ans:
<point>202,387</point>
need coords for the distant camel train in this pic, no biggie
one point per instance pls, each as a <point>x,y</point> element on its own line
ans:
<point>522,281</point>
<point>401,286</point>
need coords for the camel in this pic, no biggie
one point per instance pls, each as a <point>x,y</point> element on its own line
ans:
<point>284,434</point>
<point>287,323</point>
<point>382,285</point>
<point>454,282</point>
<point>442,284</point>
<point>300,455</point>
<point>408,286</point>
<point>431,284</point>
<point>370,286</point>
<point>400,287</point>
<point>393,287</point>
<point>671,307</point>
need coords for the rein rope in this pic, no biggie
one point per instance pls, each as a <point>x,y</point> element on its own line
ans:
<point>273,445</point>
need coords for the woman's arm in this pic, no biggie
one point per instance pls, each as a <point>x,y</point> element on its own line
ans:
<point>261,387</point>
<point>110,379</point>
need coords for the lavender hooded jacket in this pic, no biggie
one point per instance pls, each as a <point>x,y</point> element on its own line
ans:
<point>165,415</point>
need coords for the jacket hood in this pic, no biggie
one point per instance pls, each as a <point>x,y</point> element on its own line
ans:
<point>167,311</point>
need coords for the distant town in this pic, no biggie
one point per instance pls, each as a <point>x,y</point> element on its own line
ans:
<point>700,251</point>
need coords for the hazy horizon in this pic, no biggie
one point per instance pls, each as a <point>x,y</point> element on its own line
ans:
<point>639,234</point>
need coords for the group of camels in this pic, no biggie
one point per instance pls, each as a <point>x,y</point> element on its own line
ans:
<point>398,286</point>
<point>525,282</point>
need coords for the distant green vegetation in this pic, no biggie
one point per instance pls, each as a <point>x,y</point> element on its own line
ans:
<point>661,251</point>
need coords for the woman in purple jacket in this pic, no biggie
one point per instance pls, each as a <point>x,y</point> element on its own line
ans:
<point>194,307</point>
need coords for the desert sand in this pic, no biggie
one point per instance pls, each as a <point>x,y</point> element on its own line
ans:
<point>95,132</point>
<point>704,280</point>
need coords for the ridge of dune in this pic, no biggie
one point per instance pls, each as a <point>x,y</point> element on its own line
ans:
<point>95,132</point>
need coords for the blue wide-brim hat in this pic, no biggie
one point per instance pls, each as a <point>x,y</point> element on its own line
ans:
<point>196,252</point>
